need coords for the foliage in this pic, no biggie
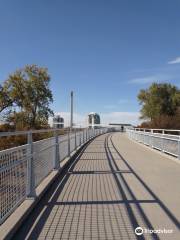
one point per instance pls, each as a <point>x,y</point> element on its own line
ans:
<point>5,100</point>
<point>159,100</point>
<point>28,92</point>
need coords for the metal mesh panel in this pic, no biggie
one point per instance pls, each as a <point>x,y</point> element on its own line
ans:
<point>72,142</point>
<point>78,139</point>
<point>13,177</point>
<point>157,142</point>
<point>43,158</point>
<point>147,139</point>
<point>171,146</point>
<point>90,133</point>
<point>81,137</point>
<point>139,138</point>
<point>63,147</point>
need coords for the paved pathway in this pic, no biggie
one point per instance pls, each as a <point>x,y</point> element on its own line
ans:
<point>114,186</point>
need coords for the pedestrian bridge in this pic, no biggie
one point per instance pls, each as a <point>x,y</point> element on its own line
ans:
<point>103,187</point>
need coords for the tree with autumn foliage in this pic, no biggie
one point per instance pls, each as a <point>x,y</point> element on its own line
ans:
<point>160,105</point>
<point>29,96</point>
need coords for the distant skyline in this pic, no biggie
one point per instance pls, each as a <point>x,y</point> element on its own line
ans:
<point>105,51</point>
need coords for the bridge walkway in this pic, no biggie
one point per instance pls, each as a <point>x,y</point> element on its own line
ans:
<point>112,187</point>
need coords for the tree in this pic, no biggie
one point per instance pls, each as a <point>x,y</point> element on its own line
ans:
<point>28,88</point>
<point>5,100</point>
<point>159,100</point>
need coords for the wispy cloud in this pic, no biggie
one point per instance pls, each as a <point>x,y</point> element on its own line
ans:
<point>150,79</point>
<point>174,61</point>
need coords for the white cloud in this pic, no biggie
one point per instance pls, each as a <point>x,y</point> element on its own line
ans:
<point>150,79</point>
<point>106,118</point>
<point>120,117</point>
<point>174,61</point>
<point>143,80</point>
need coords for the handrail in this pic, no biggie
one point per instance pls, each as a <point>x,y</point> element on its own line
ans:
<point>15,133</point>
<point>157,129</point>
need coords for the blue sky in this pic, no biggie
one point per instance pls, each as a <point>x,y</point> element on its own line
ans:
<point>105,51</point>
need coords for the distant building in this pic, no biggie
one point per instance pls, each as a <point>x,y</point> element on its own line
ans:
<point>93,119</point>
<point>57,122</point>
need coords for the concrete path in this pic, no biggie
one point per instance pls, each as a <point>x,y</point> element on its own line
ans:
<point>114,186</point>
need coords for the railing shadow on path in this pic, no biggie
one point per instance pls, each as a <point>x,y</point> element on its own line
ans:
<point>131,214</point>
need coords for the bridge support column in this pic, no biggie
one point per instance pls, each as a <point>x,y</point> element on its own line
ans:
<point>30,190</point>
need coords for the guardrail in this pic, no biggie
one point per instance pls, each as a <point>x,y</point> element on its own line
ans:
<point>159,130</point>
<point>24,167</point>
<point>164,142</point>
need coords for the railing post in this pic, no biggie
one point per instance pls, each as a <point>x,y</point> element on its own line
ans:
<point>56,163</point>
<point>80,138</point>
<point>151,138</point>
<point>144,136</point>
<point>75,139</point>
<point>83,136</point>
<point>86,135</point>
<point>30,191</point>
<point>162,143</point>
<point>69,144</point>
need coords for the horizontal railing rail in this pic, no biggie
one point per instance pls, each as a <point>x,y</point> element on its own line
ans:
<point>23,168</point>
<point>164,142</point>
<point>159,130</point>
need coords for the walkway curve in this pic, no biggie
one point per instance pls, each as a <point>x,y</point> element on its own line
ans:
<point>100,197</point>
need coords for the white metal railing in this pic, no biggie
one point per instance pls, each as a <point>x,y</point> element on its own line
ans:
<point>164,142</point>
<point>159,130</point>
<point>23,168</point>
